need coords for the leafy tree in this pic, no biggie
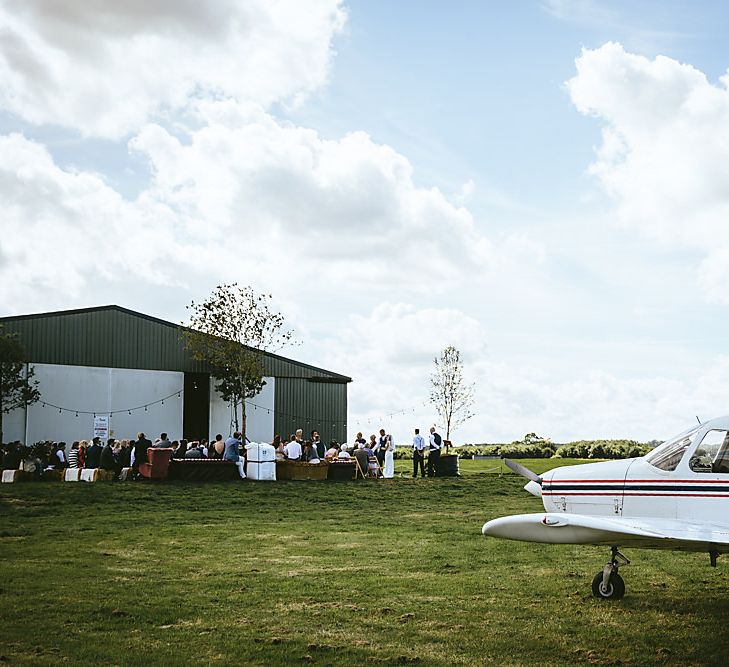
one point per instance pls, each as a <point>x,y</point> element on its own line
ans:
<point>449,393</point>
<point>229,331</point>
<point>18,389</point>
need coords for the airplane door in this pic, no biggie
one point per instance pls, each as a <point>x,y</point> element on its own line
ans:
<point>703,491</point>
<point>647,491</point>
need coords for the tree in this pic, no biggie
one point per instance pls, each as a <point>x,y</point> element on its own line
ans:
<point>18,389</point>
<point>449,393</point>
<point>229,331</point>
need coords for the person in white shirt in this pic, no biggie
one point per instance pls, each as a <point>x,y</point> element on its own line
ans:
<point>293,450</point>
<point>61,455</point>
<point>418,454</point>
<point>434,451</point>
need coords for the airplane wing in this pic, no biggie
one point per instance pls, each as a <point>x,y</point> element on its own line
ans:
<point>566,528</point>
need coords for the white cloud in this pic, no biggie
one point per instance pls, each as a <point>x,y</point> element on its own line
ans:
<point>105,68</point>
<point>61,231</point>
<point>248,180</point>
<point>665,151</point>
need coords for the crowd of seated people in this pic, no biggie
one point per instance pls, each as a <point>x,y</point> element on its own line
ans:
<point>113,455</point>
<point>295,448</point>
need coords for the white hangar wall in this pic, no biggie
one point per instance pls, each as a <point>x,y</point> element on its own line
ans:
<point>105,391</point>
<point>116,391</point>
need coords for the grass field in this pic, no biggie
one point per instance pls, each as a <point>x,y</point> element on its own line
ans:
<point>376,572</point>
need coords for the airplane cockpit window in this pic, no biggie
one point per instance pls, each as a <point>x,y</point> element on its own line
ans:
<point>712,454</point>
<point>668,455</point>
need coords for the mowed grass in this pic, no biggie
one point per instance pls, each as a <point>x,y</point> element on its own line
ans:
<point>375,572</point>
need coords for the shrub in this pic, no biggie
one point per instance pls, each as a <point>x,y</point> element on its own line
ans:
<point>602,449</point>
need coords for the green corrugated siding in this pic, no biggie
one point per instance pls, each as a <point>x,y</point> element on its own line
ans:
<point>105,338</point>
<point>311,405</point>
<point>115,338</point>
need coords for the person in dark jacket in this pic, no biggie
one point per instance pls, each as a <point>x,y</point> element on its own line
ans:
<point>93,454</point>
<point>107,460</point>
<point>12,458</point>
<point>125,455</point>
<point>180,449</point>
<point>140,450</point>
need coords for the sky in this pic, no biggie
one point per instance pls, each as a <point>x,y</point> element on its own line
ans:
<point>543,184</point>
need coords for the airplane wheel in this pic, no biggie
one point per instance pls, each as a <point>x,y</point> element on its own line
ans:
<point>615,588</point>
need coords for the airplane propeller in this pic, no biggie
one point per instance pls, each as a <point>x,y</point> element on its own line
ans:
<point>519,469</point>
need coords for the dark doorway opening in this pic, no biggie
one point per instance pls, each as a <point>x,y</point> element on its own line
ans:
<point>196,406</point>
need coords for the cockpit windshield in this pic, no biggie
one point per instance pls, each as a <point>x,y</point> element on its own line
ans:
<point>668,455</point>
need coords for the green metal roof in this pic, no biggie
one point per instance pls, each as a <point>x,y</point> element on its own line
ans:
<point>116,337</point>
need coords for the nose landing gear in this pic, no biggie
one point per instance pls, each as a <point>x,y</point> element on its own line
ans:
<point>608,584</point>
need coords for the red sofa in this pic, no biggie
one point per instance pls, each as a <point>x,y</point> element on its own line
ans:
<point>159,463</point>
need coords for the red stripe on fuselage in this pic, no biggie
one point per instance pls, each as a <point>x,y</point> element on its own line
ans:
<point>636,493</point>
<point>699,480</point>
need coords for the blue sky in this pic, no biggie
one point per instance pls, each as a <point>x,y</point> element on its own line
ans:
<point>538,183</point>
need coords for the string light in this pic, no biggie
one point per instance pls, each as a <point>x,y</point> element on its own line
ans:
<point>293,418</point>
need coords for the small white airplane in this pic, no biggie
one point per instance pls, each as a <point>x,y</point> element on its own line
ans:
<point>675,497</point>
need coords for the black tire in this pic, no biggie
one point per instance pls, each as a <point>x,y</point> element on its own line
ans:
<point>615,588</point>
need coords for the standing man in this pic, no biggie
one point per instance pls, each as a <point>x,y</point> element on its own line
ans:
<point>382,443</point>
<point>434,452</point>
<point>317,444</point>
<point>164,442</point>
<point>232,448</point>
<point>418,454</point>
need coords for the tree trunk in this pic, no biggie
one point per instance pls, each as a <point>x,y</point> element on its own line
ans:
<point>243,421</point>
<point>234,406</point>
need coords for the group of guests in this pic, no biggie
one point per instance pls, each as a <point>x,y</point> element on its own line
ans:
<point>434,445</point>
<point>114,455</point>
<point>375,455</point>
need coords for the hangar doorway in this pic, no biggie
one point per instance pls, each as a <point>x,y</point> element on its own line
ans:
<point>196,406</point>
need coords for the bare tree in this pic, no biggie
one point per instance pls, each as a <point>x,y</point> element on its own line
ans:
<point>18,389</point>
<point>230,330</point>
<point>449,393</point>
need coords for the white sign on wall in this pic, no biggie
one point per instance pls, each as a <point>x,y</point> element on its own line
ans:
<point>101,427</point>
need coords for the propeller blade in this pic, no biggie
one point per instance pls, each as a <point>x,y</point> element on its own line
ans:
<point>519,469</point>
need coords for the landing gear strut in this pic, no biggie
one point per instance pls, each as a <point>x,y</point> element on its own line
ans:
<point>608,584</point>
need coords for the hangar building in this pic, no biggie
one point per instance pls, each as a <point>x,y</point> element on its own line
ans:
<point>134,369</point>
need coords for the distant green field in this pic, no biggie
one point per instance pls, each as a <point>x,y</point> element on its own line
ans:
<point>373,572</point>
<point>470,467</point>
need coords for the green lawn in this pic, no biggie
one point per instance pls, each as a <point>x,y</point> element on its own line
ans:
<point>374,572</point>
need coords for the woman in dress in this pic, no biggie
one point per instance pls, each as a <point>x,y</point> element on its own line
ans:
<point>388,471</point>
<point>82,453</point>
<point>279,447</point>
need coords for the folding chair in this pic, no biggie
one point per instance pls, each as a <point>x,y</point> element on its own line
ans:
<point>358,472</point>
<point>374,468</point>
